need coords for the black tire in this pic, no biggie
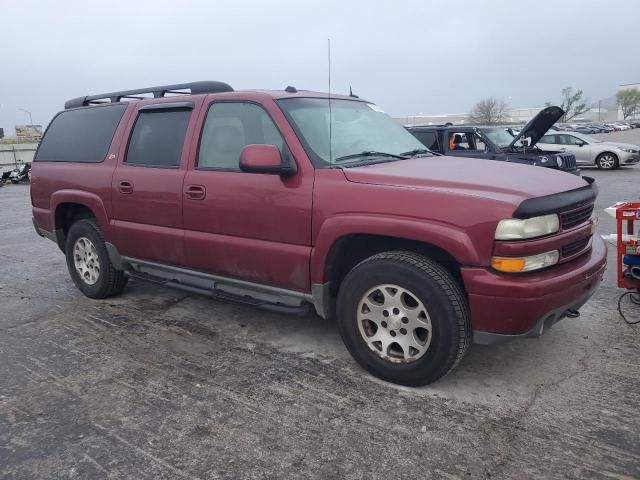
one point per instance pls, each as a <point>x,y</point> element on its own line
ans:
<point>110,281</point>
<point>441,296</point>
<point>603,161</point>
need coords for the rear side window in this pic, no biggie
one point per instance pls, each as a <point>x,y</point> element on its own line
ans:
<point>428,139</point>
<point>80,135</point>
<point>157,138</point>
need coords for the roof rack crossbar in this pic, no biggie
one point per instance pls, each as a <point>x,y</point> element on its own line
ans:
<point>158,92</point>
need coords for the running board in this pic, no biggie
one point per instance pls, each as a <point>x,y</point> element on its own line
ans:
<point>221,288</point>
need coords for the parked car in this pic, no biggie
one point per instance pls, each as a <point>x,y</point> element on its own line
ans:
<point>494,143</point>
<point>592,151</point>
<point>248,196</point>
<point>583,129</point>
<point>622,126</point>
<point>635,123</point>
<point>598,128</point>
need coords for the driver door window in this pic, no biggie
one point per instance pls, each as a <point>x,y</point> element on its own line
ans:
<point>230,127</point>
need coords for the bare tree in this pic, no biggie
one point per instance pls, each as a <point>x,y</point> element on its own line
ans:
<point>489,111</point>
<point>572,104</point>
<point>629,102</point>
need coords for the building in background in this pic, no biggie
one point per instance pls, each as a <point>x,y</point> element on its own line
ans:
<point>28,133</point>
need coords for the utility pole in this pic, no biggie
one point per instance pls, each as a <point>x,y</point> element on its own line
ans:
<point>599,118</point>
<point>28,113</point>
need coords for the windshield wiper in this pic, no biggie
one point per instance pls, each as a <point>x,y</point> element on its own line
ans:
<point>416,151</point>
<point>369,153</point>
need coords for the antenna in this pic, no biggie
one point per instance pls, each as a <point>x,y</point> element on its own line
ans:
<point>330,117</point>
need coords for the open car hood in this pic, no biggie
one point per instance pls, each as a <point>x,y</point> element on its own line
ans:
<point>539,125</point>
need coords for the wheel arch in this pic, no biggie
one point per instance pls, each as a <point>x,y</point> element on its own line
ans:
<point>68,207</point>
<point>344,242</point>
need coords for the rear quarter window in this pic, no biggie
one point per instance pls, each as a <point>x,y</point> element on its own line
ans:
<point>428,139</point>
<point>80,135</point>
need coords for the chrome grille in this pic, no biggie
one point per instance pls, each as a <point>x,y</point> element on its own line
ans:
<point>568,161</point>
<point>575,217</point>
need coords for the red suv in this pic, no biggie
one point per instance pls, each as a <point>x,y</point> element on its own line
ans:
<point>288,198</point>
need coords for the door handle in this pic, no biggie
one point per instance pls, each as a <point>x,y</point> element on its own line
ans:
<point>195,192</point>
<point>126,187</point>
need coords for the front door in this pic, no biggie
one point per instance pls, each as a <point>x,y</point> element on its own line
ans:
<point>248,226</point>
<point>466,143</point>
<point>147,183</point>
<point>572,144</point>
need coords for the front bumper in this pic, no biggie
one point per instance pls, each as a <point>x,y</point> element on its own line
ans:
<point>629,158</point>
<point>505,306</point>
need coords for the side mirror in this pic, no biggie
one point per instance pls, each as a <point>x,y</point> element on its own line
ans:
<point>265,159</point>
<point>581,144</point>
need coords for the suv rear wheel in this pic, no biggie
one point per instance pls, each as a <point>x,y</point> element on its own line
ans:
<point>88,262</point>
<point>403,317</point>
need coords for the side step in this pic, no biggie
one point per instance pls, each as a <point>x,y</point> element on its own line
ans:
<point>220,288</point>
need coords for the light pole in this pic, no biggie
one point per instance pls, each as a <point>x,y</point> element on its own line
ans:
<point>28,113</point>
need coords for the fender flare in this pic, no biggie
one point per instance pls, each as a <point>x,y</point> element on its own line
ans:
<point>90,200</point>
<point>444,236</point>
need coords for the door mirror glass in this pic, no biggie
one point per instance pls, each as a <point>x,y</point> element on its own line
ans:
<point>264,159</point>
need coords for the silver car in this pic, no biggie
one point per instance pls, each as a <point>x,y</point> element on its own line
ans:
<point>591,151</point>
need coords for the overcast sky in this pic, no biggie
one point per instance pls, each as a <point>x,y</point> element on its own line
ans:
<point>409,57</point>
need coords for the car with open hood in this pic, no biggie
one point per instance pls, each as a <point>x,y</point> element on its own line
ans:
<point>591,151</point>
<point>496,143</point>
<point>295,200</point>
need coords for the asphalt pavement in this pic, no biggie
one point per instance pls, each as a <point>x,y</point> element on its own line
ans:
<point>160,384</point>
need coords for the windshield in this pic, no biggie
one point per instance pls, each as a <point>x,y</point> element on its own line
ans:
<point>500,137</point>
<point>360,132</point>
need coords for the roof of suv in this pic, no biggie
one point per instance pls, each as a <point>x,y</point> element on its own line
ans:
<point>442,127</point>
<point>186,90</point>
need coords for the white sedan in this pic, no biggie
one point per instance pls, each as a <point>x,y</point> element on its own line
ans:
<point>591,151</point>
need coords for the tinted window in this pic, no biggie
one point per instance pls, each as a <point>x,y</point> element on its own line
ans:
<point>428,139</point>
<point>80,135</point>
<point>158,137</point>
<point>229,127</point>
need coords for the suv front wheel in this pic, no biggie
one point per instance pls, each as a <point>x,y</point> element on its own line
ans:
<point>403,317</point>
<point>88,262</point>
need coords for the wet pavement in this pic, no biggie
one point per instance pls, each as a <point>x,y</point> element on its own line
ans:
<point>159,384</point>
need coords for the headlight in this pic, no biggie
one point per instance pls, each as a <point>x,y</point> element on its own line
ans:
<point>525,264</point>
<point>514,229</point>
<point>559,161</point>
<point>629,150</point>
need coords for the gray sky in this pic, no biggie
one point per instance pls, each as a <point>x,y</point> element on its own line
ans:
<point>409,57</point>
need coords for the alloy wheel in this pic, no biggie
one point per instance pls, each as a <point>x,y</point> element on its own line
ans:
<point>394,323</point>
<point>607,161</point>
<point>85,259</point>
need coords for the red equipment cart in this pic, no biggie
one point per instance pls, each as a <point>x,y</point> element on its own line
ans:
<point>627,241</point>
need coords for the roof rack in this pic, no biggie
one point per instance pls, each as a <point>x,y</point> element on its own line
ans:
<point>158,92</point>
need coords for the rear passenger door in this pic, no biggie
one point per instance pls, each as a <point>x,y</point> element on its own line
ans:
<point>146,188</point>
<point>248,226</point>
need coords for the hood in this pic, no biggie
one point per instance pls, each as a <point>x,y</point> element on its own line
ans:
<point>539,125</point>
<point>474,177</point>
<point>620,145</point>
